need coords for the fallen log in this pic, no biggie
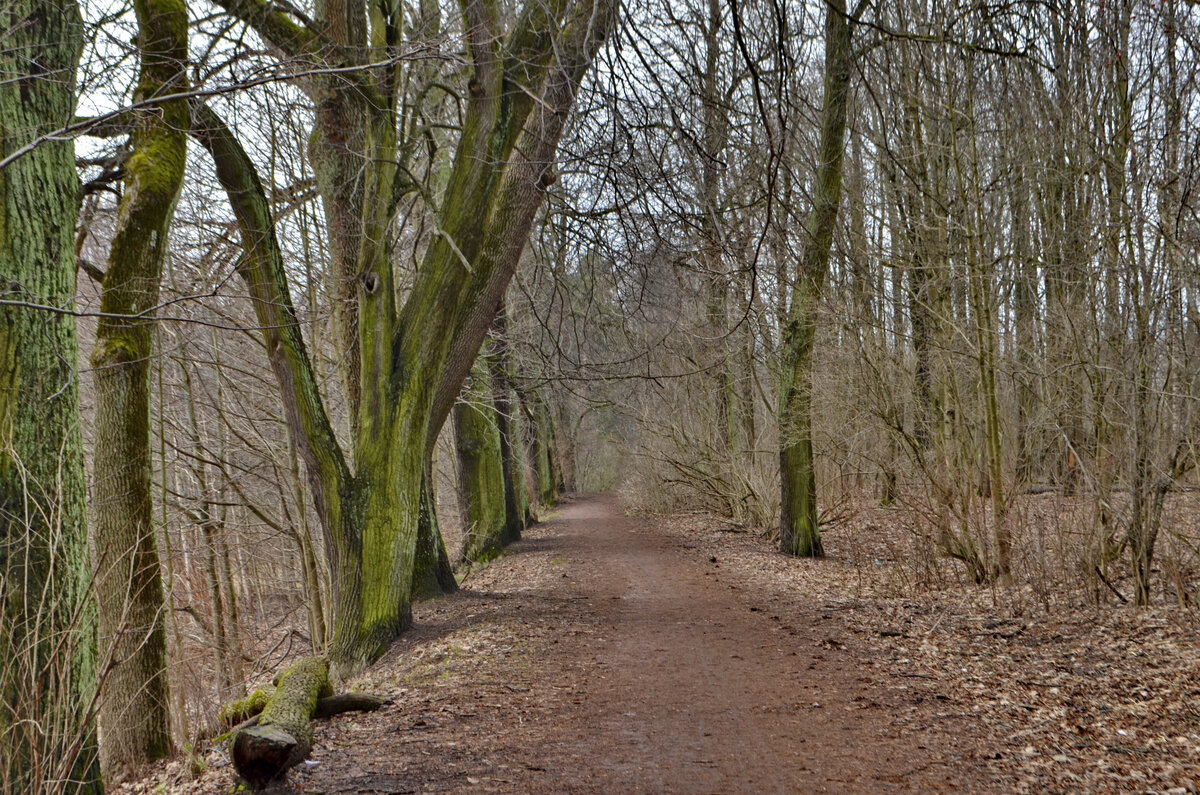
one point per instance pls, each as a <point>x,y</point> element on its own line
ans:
<point>241,710</point>
<point>262,754</point>
<point>326,708</point>
<point>346,702</point>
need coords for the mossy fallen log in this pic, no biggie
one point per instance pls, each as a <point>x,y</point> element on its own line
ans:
<point>282,738</point>
<point>247,709</point>
<point>243,709</point>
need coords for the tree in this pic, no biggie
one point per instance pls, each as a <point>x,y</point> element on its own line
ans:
<point>517,515</point>
<point>799,533</point>
<point>47,629</point>
<point>481,482</point>
<point>406,360</point>
<point>134,709</point>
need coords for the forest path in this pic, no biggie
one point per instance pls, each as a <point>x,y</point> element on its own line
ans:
<point>601,654</point>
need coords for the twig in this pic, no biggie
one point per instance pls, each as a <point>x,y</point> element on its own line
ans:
<point>1111,587</point>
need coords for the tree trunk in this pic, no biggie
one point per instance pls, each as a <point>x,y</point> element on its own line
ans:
<point>799,532</point>
<point>541,449</point>
<point>517,515</point>
<point>134,708</point>
<point>481,485</point>
<point>1025,321</point>
<point>47,629</point>
<point>432,573</point>
<point>411,359</point>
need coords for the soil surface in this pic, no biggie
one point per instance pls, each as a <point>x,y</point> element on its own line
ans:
<point>681,654</point>
<point>602,655</point>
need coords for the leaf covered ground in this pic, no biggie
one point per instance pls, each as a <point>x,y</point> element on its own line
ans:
<point>605,653</point>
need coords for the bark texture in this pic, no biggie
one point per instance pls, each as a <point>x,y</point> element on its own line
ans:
<point>47,620</point>
<point>262,754</point>
<point>799,533</point>
<point>517,514</point>
<point>480,467</point>
<point>432,573</point>
<point>134,708</point>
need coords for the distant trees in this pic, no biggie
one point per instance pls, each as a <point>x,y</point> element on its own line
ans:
<point>1005,308</point>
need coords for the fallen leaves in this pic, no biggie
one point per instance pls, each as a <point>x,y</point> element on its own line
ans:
<point>1073,698</point>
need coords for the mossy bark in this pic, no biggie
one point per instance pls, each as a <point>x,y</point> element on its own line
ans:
<point>432,573</point>
<point>542,449</point>
<point>517,514</point>
<point>243,709</point>
<point>134,705</point>
<point>283,736</point>
<point>406,363</point>
<point>799,532</point>
<point>481,489</point>
<point>47,618</point>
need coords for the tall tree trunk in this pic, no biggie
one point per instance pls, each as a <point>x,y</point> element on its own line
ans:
<point>517,514</point>
<point>799,533</point>
<point>135,718</point>
<point>432,573</point>
<point>481,486</point>
<point>412,359</point>
<point>541,448</point>
<point>714,138</point>
<point>1025,310</point>
<point>47,623</point>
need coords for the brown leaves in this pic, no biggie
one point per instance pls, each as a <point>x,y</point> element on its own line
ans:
<point>1080,699</point>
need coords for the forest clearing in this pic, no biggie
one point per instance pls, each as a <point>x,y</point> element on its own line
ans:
<point>577,395</point>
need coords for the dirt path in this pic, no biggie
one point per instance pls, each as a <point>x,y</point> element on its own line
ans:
<point>600,655</point>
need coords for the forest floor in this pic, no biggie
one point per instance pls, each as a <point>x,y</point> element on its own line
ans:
<point>618,654</point>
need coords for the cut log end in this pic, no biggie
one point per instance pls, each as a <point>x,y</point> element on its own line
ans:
<point>283,737</point>
<point>262,755</point>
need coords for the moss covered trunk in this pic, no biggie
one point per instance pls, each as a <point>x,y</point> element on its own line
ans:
<point>369,517</point>
<point>47,629</point>
<point>134,708</point>
<point>432,572</point>
<point>799,533</point>
<point>542,450</point>
<point>480,466</point>
<point>405,363</point>
<point>517,515</point>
